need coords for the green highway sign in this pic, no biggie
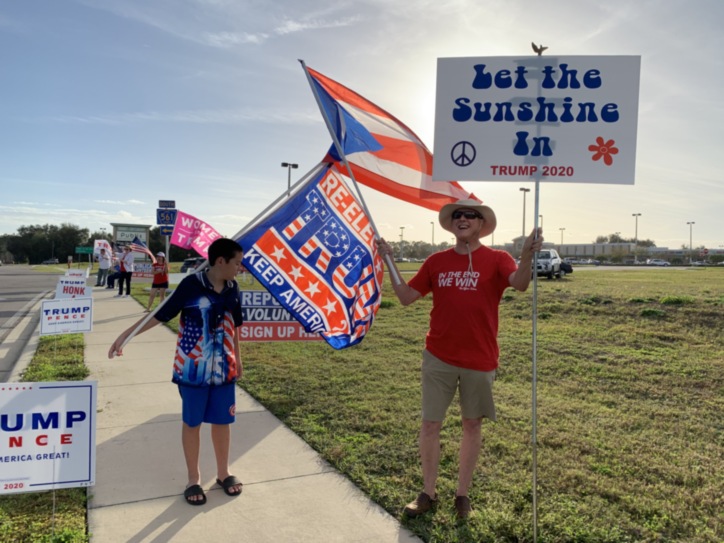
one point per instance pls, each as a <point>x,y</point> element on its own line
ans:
<point>84,250</point>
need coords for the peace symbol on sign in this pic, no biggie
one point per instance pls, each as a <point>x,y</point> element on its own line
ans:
<point>463,153</point>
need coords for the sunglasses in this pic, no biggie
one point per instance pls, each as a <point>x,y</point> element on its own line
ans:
<point>467,214</point>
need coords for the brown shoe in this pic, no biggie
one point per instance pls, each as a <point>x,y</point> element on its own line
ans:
<point>463,507</point>
<point>422,504</point>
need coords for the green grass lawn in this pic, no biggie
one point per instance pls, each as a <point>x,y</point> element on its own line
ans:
<point>630,402</point>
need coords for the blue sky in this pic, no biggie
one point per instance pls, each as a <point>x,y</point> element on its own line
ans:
<point>111,105</point>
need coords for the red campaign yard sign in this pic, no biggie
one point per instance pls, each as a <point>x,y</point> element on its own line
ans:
<point>266,320</point>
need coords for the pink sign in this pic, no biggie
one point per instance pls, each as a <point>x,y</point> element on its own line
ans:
<point>192,233</point>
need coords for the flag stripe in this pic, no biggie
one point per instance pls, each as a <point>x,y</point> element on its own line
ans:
<point>403,167</point>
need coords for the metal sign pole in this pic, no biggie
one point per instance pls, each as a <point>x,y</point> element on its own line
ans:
<point>534,385</point>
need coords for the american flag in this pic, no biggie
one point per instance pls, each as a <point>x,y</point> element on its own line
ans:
<point>190,345</point>
<point>137,246</point>
<point>382,152</point>
<point>315,253</point>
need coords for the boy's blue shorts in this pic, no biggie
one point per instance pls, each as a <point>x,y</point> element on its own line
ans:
<point>212,404</point>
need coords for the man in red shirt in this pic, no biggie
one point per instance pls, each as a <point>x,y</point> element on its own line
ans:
<point>461,348</point>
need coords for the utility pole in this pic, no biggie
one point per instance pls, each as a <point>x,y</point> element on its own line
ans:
<point>636,236</point>
<point>402,242</point>
<point>432,223</point>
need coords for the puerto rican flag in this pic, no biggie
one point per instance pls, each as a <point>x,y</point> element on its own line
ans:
<point>383,152</point>
<point>315,253</point>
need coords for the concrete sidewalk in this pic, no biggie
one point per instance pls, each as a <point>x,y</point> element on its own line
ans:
<point>290,493</point>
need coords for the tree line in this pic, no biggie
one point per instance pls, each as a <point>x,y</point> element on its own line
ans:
<point>37,243</point>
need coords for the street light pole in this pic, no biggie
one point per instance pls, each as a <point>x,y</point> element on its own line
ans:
<point>691,247</point>
<point>524,191</point>
<point>636,236</point>
<point>561,229</point>
<point>541,221</point>
<point>432,223</point>
<point>402,230</point>
<point>289,166</point>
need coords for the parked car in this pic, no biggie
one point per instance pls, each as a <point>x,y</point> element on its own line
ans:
<point>549,263</point>
<point>190,264</point>
<point>657,262</point>
<point>50,261</point>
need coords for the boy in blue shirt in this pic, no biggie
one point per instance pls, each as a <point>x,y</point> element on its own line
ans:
<point>207,362</point>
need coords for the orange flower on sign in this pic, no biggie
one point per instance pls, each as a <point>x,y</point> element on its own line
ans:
<point>603,149</point>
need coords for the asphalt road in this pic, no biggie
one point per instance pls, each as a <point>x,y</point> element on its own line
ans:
<point>20,288</point>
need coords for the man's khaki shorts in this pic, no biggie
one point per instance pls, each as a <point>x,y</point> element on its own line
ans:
<point>441,380</point>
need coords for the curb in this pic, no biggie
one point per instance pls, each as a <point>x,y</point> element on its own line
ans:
<point>30,311</point>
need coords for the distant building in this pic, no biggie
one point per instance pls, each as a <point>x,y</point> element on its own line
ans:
<point>612,252</point>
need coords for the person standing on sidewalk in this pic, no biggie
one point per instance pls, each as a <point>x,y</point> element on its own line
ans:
<point>207,361</point>
<point>104,264</point>
<point>461,349</point>
<point>160,280</point>
<point>126,263</point>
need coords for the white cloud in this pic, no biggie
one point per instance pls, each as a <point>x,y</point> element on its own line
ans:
<point>230,39</point>
<point>228,117</point>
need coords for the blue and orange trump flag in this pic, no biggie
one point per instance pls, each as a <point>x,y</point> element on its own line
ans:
<point>315,253</point>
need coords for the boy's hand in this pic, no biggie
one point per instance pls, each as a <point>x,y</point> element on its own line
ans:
<point>115,349</point>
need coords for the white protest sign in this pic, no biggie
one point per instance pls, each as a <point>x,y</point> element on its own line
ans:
<point>47,435</point>
<point>70,287</point>
<point>66,316</point>
<point>565,119</point>
<point>102,244</point>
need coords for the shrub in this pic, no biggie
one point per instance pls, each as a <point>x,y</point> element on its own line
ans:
<point>676,300</point>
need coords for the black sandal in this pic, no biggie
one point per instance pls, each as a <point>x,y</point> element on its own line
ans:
<point>195,491</point>
<point>229,482</point>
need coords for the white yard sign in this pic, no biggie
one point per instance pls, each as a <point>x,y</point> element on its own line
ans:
<point>565,119</point>
<point>66,316</point>
<point>72,287</point>
<point>47,435</point>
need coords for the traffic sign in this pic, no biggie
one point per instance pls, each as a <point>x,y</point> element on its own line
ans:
<point>166,216</point>
<point>84,250</point>
<point>168,204</point>
<point>166,229</point>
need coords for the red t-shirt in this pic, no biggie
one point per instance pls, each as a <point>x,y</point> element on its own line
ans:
<point>160,273</point>
<point>464,317</point>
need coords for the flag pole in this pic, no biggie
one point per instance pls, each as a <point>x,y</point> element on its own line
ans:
<point>311,173</point>
<point>343,156</point>
<point>141,325</point>
<point>314,171</point>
